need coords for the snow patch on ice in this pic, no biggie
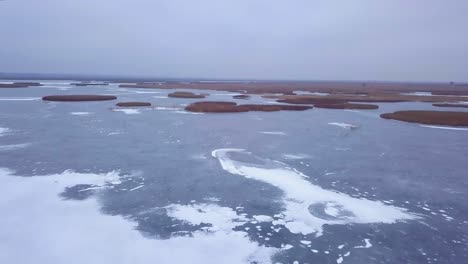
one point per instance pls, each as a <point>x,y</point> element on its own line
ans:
<point>344,125</point>
<point>367,242</point>
<point>136,188</point>
<point>4,131</point>
<point>115,133</point>
<point>127,111</point>
<point>447,128</point>
<point>167,108</point>
<point>418,93</point>
<point>20,98</point>
<point>263,218</point>
<point>13,147</point>
<point>146,92</point>
<point>307,207</point>
<point>80,113</point>
<point>188,113</point>
<point>277,133</point>
<point>70,228</point>
<point>295,156</point>
<point>219,218</point>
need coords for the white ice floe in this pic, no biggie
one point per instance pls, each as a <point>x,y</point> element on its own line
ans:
<point>13,147</point>
<point>307,207</point>
<point>127,111</point>
<point>344,125</point>
<point>447,128</point>
<point>277,133</point>
<point>80,113</point>
<point>53,230</point>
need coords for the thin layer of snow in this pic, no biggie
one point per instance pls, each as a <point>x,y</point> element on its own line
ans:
<point>305,204</point>
<point>53,230</point>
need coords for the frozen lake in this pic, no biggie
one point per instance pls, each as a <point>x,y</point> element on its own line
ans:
<point>85,182</point>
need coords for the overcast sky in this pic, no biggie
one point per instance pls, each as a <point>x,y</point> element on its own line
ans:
<point>399,40</point>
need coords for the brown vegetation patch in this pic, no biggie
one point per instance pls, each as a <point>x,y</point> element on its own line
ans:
<point>371,98</point>
<point>19,84</point>
<point>185,95</point>
<point>133,104</point>
<point>241,96</point>
<point>327,102</point>
<point>88,84</point>
<point>347,106</point>
<point>285,88</point>
<point>231,107</point>
<point>28,83</point>
<point>276,107</point>
<point>451,105</point>
<point>430,117</point>
<point>311,100</point>
<point>216,107</point>
<point>78,98</point>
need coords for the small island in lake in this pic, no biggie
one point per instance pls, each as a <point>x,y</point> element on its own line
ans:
<point>430,117</point>
<point>78,98</point>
